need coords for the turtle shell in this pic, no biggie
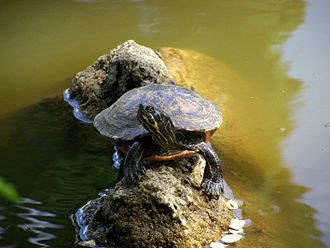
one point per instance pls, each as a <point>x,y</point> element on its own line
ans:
<point>187,110</point>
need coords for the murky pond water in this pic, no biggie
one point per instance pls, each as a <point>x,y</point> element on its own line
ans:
<point>271,80</point>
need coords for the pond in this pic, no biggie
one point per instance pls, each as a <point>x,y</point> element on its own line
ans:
<point>271,80</point>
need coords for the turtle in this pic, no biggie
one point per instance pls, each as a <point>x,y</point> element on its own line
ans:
<point>163,122</point>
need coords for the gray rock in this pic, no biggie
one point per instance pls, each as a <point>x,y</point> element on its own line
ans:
<point>164,209</point>
<point>127,66</point>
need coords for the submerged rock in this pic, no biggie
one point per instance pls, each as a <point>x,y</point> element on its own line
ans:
<point>127,66</point>
<point>164,209</point>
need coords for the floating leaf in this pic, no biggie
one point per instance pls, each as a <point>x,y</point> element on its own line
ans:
<point>8,191</point>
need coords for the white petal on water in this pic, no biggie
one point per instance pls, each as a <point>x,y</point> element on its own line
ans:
<point>248,222</point>
<point>237,213</point>
<point>231,238</point>
<point>231,204</point>
<point>233,231</point>
<point>237,224</point>
<point>217,245</point>
<point>239,202</point>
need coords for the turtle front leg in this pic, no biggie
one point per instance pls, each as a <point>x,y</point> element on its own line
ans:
<point>133,169</point>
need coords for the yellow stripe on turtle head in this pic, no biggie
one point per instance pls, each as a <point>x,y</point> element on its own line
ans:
<point>153,124</point>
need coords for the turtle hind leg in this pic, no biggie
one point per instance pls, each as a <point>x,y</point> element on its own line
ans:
<point>213,177</point>
<point>133,168</point>
<point>212,182</point>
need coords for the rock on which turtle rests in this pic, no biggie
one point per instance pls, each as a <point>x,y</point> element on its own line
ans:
<point>127,66</point>
<point>163,209</point>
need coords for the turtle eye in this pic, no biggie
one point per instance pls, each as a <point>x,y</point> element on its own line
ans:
<point>151,120</point>
<point>149,108</point>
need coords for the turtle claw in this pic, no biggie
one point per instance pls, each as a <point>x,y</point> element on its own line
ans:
<point>214,189</point>
<point>140,171</point>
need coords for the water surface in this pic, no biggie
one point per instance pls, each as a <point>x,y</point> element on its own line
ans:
<point>271,80</point>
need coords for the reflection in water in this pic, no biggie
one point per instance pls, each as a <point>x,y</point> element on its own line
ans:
<point>306,150</point>
<point>61,176</point>
<point>51,157</point>
<point>2,230</point>
<point>39,224</point>
<point>249,143</point>
<point>36,225</point>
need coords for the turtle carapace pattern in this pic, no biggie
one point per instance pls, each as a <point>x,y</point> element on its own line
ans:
<point>163,122</point>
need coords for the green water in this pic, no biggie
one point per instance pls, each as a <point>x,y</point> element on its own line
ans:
<point>274,140</point>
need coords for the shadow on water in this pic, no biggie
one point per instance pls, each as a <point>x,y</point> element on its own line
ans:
<point>57,164</point>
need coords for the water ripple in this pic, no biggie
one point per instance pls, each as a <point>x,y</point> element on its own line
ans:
<point>36,225</point>
<point>35,222</point>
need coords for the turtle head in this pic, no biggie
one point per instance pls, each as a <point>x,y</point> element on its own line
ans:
<point>158,123</point>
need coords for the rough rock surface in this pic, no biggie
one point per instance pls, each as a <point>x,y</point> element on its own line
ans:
<point>164,209</point>
<point>127,66</point>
